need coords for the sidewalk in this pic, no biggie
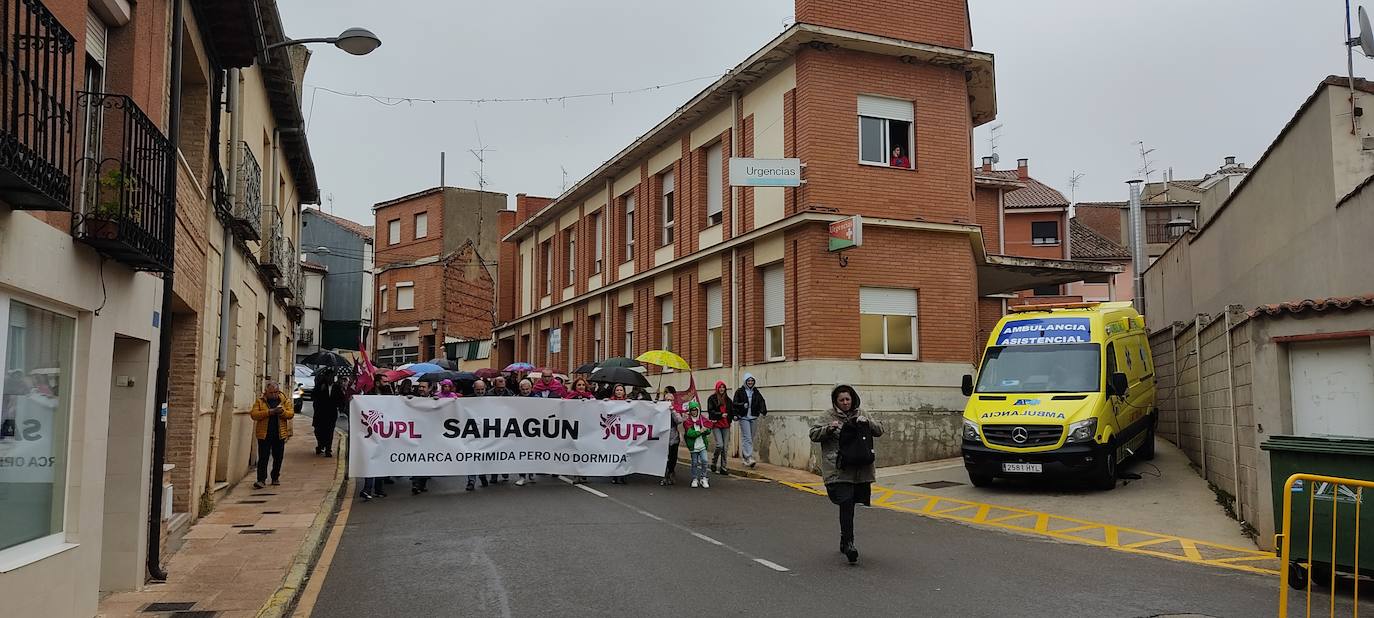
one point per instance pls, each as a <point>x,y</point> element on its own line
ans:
<point>236,559</point>
<point>760,470</point>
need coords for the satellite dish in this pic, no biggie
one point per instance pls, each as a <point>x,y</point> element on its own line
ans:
<point>1366,38</point>
<point>996,159</point>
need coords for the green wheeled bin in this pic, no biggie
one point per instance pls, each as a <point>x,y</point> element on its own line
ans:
<point>1319,507</point>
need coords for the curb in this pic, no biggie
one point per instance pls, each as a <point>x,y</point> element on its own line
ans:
<point>747,473</point>
<point>283,601</point>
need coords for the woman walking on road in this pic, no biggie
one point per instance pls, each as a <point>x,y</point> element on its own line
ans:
<point>719,410</point>
<point>846,439</point>
<point>749,405</point>
<point>675,418</point>
<point>271,416</point>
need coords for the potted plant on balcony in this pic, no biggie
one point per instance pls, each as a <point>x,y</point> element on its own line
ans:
<point>103,218</point>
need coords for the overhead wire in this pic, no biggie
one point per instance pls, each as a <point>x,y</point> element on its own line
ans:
<point>392,101</point>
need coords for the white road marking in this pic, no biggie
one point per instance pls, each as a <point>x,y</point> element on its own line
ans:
<point>707,538</point>
<point>772,565</point>
<point>768,563</point>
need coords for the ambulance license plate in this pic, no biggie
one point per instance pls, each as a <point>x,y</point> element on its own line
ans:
<point>1021,467</point>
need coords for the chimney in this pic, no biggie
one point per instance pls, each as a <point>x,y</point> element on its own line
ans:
<point>522,209</point>
<point>987,164</point>
<point>1023,169</point>
<point>1230,161</point>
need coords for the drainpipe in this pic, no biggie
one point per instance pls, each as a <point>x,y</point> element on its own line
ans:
<point>271,293</point>
<point>734,252</point>
<point>226,253</point>
<point>164,347</point>
<point>1197,360</point>
<point>1231,402</point>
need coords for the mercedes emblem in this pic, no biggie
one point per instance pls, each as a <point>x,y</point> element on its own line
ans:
<point>1020,435</point>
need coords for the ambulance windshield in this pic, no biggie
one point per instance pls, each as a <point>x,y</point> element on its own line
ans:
<point>1070,368</point>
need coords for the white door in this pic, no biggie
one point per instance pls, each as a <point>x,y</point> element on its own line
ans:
<point>1332,387</point>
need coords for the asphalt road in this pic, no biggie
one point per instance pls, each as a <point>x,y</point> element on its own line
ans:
<point>553,549</point>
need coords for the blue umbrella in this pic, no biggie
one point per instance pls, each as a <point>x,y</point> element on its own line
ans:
<point>519,367</point>
<point>420,369</point>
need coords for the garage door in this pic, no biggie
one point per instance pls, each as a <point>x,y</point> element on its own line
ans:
<point>1332,387</point>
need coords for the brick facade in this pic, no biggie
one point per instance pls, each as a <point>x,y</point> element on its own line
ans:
<point>938,22</point>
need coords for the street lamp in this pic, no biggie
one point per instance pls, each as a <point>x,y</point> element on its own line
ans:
<point>356,41</point>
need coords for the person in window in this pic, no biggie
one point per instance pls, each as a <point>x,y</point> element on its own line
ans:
<point>749,406</point>
<point>899,159</point>
<point>846,485</point>
<point>271,416</point>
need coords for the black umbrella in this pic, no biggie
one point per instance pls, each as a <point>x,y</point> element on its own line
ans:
<point>446,363</point>
<point>587,368</point>
<point>620,361</point>
<point>440,376</point>
<point>620,375</point>
<point>325,358</point>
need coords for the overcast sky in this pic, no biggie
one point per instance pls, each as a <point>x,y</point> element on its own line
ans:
<point>1079,83</point>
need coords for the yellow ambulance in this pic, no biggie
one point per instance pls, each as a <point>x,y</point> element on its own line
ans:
<point>1062,390</point>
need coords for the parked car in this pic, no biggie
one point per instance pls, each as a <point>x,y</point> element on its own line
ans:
<point>305,380</point>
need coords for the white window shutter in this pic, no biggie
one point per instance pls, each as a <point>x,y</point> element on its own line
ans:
<point>714,319</point>
<point>97,37</point>
<point>887,301</point>
<point>630,203</point>
<point>773,296</point>
<point>667,183</point>
<point>713,179</point>
<point>667,309</point>
<point>629,320</point>
<point>883,107</point>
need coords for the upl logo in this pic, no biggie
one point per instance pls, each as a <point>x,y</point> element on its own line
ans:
<point>611,426</point>
<point>375,424</point>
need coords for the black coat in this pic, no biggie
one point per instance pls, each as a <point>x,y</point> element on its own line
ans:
<point>327,401</point>
<point>743,407</point>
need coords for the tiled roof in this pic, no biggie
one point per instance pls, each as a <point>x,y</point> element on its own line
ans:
<point>1086,244</point>
<point>363,231</point>
<point>1334,303</point>
<point>997,174</point>
<point>314,266</point>
<point>1036,195</point>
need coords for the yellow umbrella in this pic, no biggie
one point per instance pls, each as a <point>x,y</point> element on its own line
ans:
<point>664,358</point>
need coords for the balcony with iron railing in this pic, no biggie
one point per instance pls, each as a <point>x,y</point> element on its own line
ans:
<point>285,283</point>
<point>245,213</point>
<point>272,248</point>
<point>37,91</point>
<point>124,204</point>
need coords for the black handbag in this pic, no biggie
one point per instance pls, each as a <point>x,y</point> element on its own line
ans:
<point>856,446</point>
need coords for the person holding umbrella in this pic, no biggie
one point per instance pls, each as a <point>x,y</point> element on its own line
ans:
<point>498,388</point>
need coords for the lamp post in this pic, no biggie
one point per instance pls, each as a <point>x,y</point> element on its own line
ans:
<point>356,41</point>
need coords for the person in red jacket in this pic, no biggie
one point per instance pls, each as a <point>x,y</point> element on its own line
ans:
<point>720,408</point>
<point>581,390</point>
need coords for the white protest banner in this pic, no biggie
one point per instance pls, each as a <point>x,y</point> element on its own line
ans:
<point>419,436</point>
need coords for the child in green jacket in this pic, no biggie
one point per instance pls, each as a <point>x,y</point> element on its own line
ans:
<point>697,430</point>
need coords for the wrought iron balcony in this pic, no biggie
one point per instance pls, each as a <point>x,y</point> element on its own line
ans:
<point>37,83</point>
<point>246,211</point>
<point>285,284</point>
<point>305,336</point>
<point>124,205</point>
<point>270,256</point>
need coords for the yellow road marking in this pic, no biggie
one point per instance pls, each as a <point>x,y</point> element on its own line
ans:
<point>1069,529</point>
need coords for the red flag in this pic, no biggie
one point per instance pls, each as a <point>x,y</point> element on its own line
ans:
<point>365,371</point>
<point>681,398</point>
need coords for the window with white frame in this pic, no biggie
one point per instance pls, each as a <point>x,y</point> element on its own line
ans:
<point>36,348</point>
<point>393,232</point>
<point>665,307</point>
<point>382,291</point>
<point>714,184</point>
<point>714,325</point>
<point>628,317</point>
<point>405,296</point>
<point>667,214</point>
<point>629,227</point>
<point>572,255</point>
<point>773,313</point>
<point>421,225</point>
<point>1044,232</point>
<point>596,338</point>
<point>887,323</point>
<point>886,131</point>
<point>599,239</point>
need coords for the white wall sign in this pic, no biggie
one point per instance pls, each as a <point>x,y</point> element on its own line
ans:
<point>765,172</point>
<point>555,341</point>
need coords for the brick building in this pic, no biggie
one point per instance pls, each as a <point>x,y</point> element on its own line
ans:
<point>436,253</point>
<point>655,250</point>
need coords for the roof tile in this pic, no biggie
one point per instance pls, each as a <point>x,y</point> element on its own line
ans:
<point>1086,244</point>
<point>363,231</point>
<point>1333,303</point>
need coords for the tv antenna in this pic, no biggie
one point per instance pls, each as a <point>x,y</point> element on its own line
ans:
<point>1075,177</point>
<point>329,198</point>
<point>1146,164</point>
<point>994,134</point>
<point>565,179</point>
<point>480,153</point>
<point>1365,41</point>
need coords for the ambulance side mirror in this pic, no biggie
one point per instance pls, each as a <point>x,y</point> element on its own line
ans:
<point>1118,386</point>
<point>967,385</point>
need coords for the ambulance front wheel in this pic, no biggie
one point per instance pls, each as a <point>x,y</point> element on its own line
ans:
<point>979,480</point>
